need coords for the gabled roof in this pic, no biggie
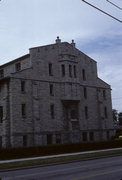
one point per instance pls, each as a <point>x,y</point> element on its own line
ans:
<point>15,60</point>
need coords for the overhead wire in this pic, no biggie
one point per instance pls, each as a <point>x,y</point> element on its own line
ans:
<point>114,4</point>
<point>102,11</point>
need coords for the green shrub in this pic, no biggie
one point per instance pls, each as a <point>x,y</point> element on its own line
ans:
<point>24,152</point>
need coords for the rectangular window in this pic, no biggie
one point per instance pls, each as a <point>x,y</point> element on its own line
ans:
<point>58,138</point>
<point>86,112</point>
<point>50,69</point>
<point>75,73</point>
<point>25,140</point>
<point>105,112</point>
<point>18,66</point>
<point>1,73</point>
<point>1,114</point>
<point>84,136</point>
<point>75,125</point>
<point>23,86</point>
<point>108,135</point>
<point>63,70</point>
<point>104,94</point>
<point>52,111</point>
<point>85,92</point>
<point>23,110</point>
<point>84,74</point>
<point>49,138</point>
<point>91,136</point>
<point>70,71</point>
<point>51,90</point>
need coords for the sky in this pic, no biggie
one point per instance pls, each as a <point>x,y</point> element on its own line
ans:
<point>29,23</point>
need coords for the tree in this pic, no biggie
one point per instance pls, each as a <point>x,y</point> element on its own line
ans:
<point>120,118</point>
<point>115,115</point>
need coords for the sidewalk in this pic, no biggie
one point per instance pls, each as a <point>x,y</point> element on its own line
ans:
<point>59,155</point>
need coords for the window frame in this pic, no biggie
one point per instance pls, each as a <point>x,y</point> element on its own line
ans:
<point>86,112</point>
<point>23,110</point>
<point>52,111</point>
<point>1,114</point>
<point>70,70</point>
<point>85,92</point>
<point>75,71</point>
<point>1,73</point>
<point>63,70</point>
<point>18,66</point>
<point>50,69</point>
<point>51,88</point>
<point>23,86</point>
<point>84,74</point>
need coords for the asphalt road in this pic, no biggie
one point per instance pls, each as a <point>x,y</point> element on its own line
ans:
<point>97,169</point>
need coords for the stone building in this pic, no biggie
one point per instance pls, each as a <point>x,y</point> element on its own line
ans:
<point>53,95</point>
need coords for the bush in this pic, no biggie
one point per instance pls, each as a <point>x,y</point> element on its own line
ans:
<point>24,152</point>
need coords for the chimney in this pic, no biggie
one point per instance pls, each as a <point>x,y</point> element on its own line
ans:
<point>58,40</point>
<point>73,43</point>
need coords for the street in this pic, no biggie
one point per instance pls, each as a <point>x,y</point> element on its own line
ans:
<point>97,169</point>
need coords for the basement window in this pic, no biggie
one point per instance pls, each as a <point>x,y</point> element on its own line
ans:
<point>84,136</point>
<point>58,138</point>
<point>25,140</point>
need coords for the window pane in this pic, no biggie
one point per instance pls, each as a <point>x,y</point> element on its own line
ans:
<point>58,138</point>
<point>51,90</point>
<point>75,74</point>
<point>70,71</point>
<point>84,74</point>
<point>52,111</point>
<point>1,73</point>
<point>104,94</point>
<point>25,140</point>
<point>23,86</point>
<point>49,139</point>
<point>84,135</point>
<point>50,69</point>
<point>105,112</point>
<point>63,69</point>
<point>86,112</point>
<point>18,66</point>
<point>1,114</point>
<point>91,136</point>
<point>85,92</point>
<point>23,106</point>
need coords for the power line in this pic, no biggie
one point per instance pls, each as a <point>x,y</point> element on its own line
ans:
<point>114,4</point>
<point>102,11</point>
